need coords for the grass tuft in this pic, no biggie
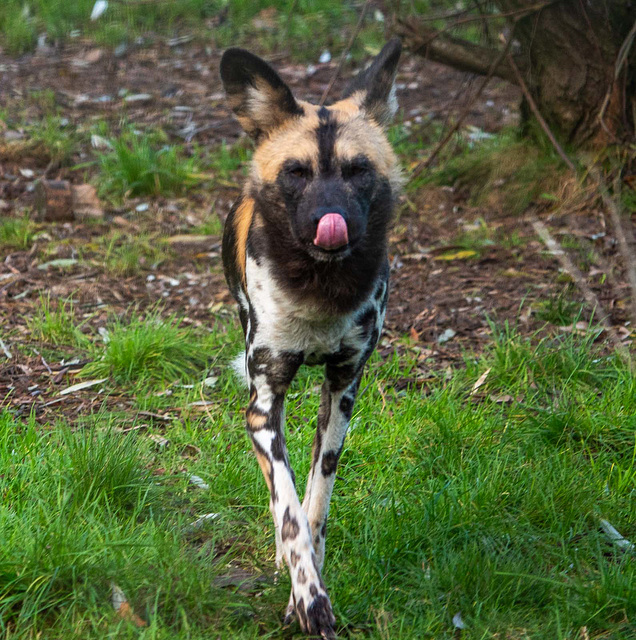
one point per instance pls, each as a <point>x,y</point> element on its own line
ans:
<point>16,233</point>
<point>53,322</point>
<point>104,468</point>
<point>19,31</point>
<point>559,310</point>
<point>149,349</point>
<point>126,256</point>
<point>138,166</point>
<point>51,139</point>
<point>506,172</point>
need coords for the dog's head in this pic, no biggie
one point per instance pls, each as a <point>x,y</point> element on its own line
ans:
<point>325,175</point>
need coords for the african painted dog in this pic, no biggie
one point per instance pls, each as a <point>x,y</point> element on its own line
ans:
<point>305,256</point>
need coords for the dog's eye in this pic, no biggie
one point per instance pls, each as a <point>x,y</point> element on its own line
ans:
<point>300,172</point>
<point>355,170</point>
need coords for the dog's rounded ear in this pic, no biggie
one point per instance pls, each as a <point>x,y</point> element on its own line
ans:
<point>373,89</point>
<point>260,100</point>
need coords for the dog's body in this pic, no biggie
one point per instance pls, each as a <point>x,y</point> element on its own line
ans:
<point>305,256</point>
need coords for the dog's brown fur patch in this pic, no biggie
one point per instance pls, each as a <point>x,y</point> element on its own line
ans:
<point>242,222</point>
<point>266,467</point>
<point>295,139</point>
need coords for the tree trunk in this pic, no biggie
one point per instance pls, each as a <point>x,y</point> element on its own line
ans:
<point>578,59</point>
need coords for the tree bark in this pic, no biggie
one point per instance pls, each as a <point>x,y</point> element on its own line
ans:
<point>577,58</point>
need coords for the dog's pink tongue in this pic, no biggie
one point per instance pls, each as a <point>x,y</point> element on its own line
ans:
<point>331,232</point>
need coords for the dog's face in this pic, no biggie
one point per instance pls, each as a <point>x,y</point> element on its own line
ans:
<point>320,174</point>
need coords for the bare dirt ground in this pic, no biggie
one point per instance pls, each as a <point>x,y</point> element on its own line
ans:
<point>444,291</point>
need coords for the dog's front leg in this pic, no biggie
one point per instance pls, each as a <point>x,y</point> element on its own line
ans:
<point>270,375</point>
<point>336,406</point>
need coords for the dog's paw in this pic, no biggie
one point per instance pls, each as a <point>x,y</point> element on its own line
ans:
<point>315,614</point>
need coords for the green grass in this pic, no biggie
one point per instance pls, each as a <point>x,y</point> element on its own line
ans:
<point>211,225</point>
<point>445,502</point>
<point>559,309</point>
<point>303,28</point>
<point>57,142</point>
<point>149,349</point>
<point>506,172</point>
<point>126,256</point>
<point>140,165</point>
<point>53,323</point>
<point>225,160</point>
<point>16,233</point>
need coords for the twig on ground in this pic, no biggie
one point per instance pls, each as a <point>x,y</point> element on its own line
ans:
<point>44,362</point>
<point>537,114</point>
<point>343,55</point>
<point>422,166</point>
<point>590,297</point>
<point>624,234</point>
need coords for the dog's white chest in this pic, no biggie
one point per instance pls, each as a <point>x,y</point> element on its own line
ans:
<point>285,325</point>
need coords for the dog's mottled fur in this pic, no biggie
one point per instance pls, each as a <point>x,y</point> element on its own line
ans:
<point>298,302</point>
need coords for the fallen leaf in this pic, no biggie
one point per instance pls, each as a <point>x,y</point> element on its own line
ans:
<point>99,142</point>
<point>202,405</point>
<point>191,450</point>
<point>458,622</point>
<point>179,40</point>
<point>5,349</point>
<point>98,9</point>
<point>504,399</point>
<point>160,441</point>
<point>199,522</point>
<point>87,384</point>
<point>192,239</point>
<point>580,328</point>
<point>138,98</point>
<point>123,608</point>
<point>480,381</point>
<point>457,255</point>
<point>60,263</point>
<point>616,537</point>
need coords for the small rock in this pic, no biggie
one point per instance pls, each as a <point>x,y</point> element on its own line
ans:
<point>447,335</point>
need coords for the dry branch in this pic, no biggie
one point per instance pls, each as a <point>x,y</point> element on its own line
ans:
<point>624,235</point>
<point>343,55</point>
<point>590,297</point>
<point>456,52</point>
